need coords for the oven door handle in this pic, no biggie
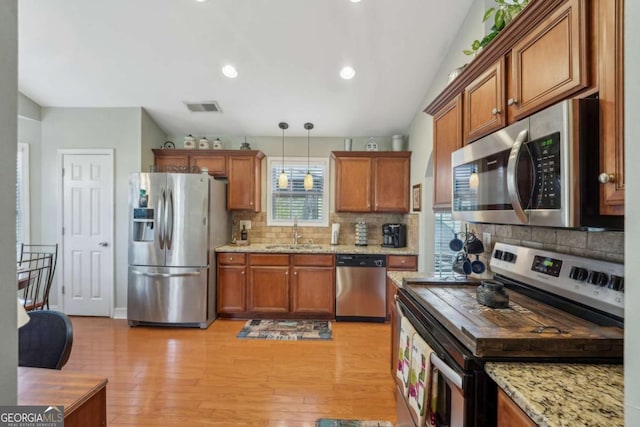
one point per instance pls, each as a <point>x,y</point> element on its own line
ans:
<point>449,374</point>
<point>512,176</point>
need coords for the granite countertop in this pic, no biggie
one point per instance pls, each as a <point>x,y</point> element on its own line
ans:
<point>315,249</point>
<point>399,278</point>
<point>562,394</point>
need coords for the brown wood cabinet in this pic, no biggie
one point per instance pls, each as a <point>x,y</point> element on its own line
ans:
<point>244,189</point>
<point>313,284</point>
<point>217,164</point>
<point>268,283</point>
<point>372,181</point>
<point>231,283</point>
<point>510,414</point>
<point>398,263</point>
<point>261,285</point>
<point>243,169</point>
<point>484,102</point>
<point>611,90</point>
<point>550,62</point>
<point>447,137</point>
<point>168,158</point>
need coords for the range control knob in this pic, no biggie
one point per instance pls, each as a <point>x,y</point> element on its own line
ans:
<point>616,283</point>
<point>509,257</point>
<point>578,273</point>
<point>597,278</point>
<point>497,254</point>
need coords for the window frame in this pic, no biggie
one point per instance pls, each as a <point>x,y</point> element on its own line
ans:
<point>276,162</point>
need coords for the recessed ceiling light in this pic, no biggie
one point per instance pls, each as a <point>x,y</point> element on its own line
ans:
<point>202,1</point>
<point>352,1</point>
<point>230,71</point>
<point>347,73</point>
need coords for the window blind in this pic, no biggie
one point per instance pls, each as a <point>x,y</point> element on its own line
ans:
<point>445,229</point>
<point>294,202</point>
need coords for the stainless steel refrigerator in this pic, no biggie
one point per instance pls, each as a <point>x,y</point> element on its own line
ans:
<point>175,222</point>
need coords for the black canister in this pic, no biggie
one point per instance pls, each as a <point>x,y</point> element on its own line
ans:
<point>492,294</point>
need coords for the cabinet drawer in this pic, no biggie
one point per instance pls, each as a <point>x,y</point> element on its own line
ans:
<point>269,259</point>
<point>313,260</point>
<point>402,262</point>
<point>232,258</point>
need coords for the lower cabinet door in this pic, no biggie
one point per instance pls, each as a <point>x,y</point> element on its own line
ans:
<point>312,290</point>
<point>269,289</point>
<point>232,297</point>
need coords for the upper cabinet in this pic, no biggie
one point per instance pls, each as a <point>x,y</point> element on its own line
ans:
<point>611,85</point>
<point>243,168</point>
<point>447,137</point>
<point>484,103</point>
<point>553,50</point>
<point>372,181</point>
<point>550,62</point>
<point>244,187</point>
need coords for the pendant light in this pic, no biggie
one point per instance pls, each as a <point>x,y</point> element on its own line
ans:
<point>308,178</point>
<point>283,181</point>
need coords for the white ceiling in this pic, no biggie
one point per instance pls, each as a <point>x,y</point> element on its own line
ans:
<point>159,54</point>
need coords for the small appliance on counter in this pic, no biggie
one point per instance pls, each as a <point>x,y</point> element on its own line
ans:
<point>361,234</point>
<point>394,235</point>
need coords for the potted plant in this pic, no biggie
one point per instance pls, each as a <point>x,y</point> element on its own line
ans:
<point>503,13</point>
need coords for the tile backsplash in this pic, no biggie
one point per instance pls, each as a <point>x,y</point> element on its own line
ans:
<point>604,245</point>
<point>262,233</point>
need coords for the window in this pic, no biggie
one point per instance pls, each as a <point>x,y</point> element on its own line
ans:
<point>22,196</point>
<point>311,207</point>
<point>446,228</point>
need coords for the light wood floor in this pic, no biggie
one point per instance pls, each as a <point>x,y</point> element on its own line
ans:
<point>189,377</point>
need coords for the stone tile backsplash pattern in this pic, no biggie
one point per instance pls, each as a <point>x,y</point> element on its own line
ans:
<point>261,233</point>
<point>605,245</point>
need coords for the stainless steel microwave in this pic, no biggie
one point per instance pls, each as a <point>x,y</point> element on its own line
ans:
<point>542,171</point>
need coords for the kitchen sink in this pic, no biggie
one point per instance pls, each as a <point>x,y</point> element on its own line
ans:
<point>294,247</point>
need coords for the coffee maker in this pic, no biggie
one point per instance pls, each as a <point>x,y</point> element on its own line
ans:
<point>394,235</point>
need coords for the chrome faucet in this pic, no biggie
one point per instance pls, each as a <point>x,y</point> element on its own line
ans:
<point>296,232</point>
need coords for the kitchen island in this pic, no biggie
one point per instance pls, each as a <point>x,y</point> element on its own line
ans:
<point>563,394</point>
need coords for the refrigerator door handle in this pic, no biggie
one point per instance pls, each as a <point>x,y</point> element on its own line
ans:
<point>147,274</point>
<point>169,220</point>
<point>161,219</point>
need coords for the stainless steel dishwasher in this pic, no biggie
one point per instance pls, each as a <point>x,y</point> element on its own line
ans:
<point>361,287</point>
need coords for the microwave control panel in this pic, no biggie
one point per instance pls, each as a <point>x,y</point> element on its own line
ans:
<point>545,159</point>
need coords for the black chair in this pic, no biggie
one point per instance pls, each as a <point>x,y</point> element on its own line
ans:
<point>46,341</point>
<point>37,263</point>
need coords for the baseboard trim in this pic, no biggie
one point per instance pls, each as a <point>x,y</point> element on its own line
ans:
<point>120,313</point>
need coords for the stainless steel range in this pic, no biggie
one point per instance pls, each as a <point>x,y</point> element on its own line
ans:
<point>561,308</point>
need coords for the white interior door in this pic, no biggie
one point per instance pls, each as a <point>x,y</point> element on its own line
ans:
<point>87,232</point>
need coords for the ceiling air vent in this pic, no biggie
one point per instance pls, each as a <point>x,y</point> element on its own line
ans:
<point>204,107</point>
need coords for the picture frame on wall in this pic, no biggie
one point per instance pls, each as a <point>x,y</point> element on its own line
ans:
<point>417,198</point>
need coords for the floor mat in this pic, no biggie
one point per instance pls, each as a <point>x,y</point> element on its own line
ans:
<point>329,422</point>
<point>288,330</point>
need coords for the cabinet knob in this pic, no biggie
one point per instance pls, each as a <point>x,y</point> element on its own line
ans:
<point>242,272</point>
<point>606,178</point>
<point>295,273</point>
<point>495,111</point>
<point>512,101</point>
<point>402,262</point>
<point>230,258</point>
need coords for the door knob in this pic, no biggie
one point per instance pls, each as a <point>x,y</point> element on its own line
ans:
<point>606,178</point>
<point>103,244</point>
